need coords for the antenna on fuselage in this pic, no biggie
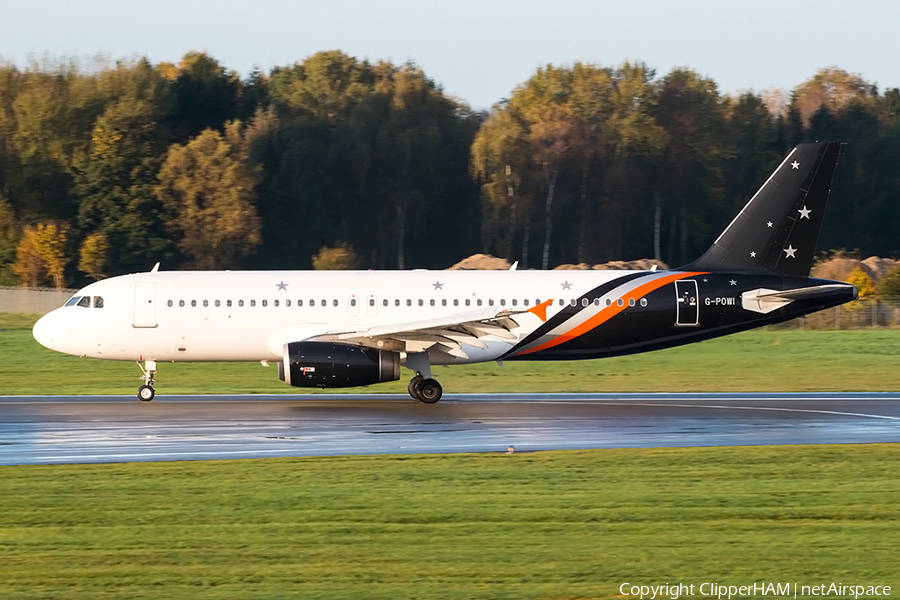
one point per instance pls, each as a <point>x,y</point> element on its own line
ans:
<point>514,265</point>
<point>155,268</point>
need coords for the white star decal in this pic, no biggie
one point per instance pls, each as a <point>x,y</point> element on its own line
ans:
<point>282,286</point>
<point>790,251</point>
<point>804,212</point>
<point>566,285</point>
<point>733,282</point>
<point>752,254</point>
<point>795,165</point>
<point>705,280</point>
<point>769,224</point>
<point>438,285</point>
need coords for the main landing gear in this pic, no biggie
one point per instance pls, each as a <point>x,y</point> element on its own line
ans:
<point>146,392</point>
<point>424,389</point>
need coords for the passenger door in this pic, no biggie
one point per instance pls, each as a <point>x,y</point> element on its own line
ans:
<point>145,304</point>
<point>687,303</point>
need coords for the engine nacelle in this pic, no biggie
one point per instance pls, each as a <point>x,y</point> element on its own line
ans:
<point>332,365</point>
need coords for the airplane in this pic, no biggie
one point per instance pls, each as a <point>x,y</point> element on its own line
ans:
<point>332,329</point>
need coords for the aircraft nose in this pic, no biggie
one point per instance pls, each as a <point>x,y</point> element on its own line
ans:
<point>48,330</point>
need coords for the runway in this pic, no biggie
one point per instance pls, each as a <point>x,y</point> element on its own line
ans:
<point>102,429</point>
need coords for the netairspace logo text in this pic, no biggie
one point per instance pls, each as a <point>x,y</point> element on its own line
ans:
<point>796,590</point>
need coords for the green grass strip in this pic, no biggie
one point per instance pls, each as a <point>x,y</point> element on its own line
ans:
<point>756,361</point>
<point>574,524</point>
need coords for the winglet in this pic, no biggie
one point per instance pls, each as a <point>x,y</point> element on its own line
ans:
<point>541,310</point>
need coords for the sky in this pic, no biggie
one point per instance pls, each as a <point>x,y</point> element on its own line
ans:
<point>479,51</point>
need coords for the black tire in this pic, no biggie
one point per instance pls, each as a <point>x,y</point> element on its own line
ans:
<point>430,391</point>
<point>414,385</point>
<point>145,393</point>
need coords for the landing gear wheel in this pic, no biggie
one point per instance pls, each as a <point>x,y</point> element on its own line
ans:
<point>145,393</point>
<point>413,387</point>
<point>429,391</point>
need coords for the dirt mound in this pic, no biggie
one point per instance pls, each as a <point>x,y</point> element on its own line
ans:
<point>481,262</point>
<point>880,266</point>
<point>839,268</point>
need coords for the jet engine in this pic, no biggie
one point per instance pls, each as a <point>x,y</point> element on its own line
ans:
<point>333,365</point>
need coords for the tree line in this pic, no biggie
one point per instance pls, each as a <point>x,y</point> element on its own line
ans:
<point>109,168</point>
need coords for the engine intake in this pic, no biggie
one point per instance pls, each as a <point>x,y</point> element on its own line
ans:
<point>333,365</point>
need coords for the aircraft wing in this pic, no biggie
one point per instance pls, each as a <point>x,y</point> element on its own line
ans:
<point>449,333</point>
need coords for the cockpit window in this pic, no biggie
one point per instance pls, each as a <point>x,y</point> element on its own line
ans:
<point>85,302</point>
<point>73,300</point>
<point>98,301</point>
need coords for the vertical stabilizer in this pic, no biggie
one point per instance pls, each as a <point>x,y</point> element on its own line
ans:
<point>777,231</point>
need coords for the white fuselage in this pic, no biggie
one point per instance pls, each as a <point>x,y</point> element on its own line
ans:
<point>250,315</point>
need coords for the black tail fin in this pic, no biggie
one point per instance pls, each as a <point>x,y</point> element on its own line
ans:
<point>777,230</point>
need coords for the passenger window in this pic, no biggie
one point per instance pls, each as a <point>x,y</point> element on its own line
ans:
<point>74,300</point>
<point>218,304</point>
<point>265,302</point>
<point>299,302</point>
<point>312,302</point>
<point>643,302</point>
<point>478,302</point>
<point>596,301</point>
<point>253,303</point>
<point>287,302</point>
<point>240,303</point>
<point>275,302</point>
<point>525,302</point>
<point>84,302</point>
<point>608,302</point>
<point>443,303</point>
<point>169,303</point>
<point>352,301</point>
<point>421,302</point>
<point>514,301</point>
<point>631,302</point>
<point>371,302</point>
<point>193,303</point>
<point>503,302</point>
<point>585,302</point>
<point>335,302</point>
<point>491,302</point>
<point>573,302</point>
<point>98,302</point>
<point>408,302</point>
<point>228,304</point>
<point>324,303</point>
<point>620,302</point>
<point>181,303</point>
<point>205,303</point>
<point>397,302</point>
<point>562,302</point>
<point>432,302</point>
<point>385,302</point>
<point>455,302</point>
<point>468,302</point>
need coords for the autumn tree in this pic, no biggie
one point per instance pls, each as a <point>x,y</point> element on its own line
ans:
<point>207,190</point>
<point>41,254</point>
<point>337,258</point>
<point>93,256</point>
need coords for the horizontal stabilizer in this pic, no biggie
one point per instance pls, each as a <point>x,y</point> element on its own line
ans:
<point>764,301</point>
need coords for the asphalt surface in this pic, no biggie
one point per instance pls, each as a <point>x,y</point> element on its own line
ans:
<point>100,429</point>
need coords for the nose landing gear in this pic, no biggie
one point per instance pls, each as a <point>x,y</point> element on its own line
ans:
<point>146,392</point>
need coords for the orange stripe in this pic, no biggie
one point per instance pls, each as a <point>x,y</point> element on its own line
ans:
<point>610,311</point>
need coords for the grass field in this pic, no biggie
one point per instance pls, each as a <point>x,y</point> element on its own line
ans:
<point>763,361</point>
<point>545,525</point>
